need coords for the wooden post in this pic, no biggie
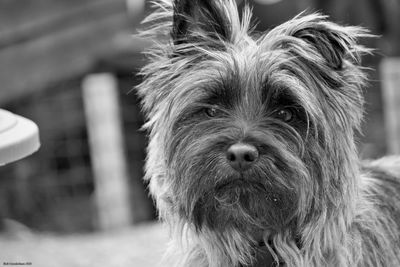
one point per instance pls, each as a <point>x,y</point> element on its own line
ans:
<point>390,73</point>
<point>101,104</point>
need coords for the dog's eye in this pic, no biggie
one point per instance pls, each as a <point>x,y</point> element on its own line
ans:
<point>285,114</point>
<point>211,111</point>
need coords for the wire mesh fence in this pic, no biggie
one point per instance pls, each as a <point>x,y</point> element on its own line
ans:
<point>53,189</point>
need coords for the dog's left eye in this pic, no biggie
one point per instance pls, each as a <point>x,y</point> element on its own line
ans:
<point>211,111</point>
<point>285,114</point>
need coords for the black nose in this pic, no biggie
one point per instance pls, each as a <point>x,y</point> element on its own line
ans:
<point>241,156</point>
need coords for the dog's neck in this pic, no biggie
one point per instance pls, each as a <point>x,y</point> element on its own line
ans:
<point>262,257</point>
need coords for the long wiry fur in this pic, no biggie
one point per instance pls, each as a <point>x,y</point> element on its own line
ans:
<point>337,212</point>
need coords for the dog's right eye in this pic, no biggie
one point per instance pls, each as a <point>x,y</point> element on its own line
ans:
<point>286,114</point>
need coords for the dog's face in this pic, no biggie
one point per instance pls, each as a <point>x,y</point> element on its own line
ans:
<point>251,132</point>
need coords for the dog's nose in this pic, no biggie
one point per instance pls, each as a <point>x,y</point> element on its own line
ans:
<point>241,156</point>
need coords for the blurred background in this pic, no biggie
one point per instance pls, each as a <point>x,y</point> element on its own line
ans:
<point>70,66</point>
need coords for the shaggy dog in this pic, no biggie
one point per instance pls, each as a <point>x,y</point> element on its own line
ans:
<point>252,159</point>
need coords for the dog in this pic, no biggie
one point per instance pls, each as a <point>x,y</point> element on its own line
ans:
<point>251,157</point>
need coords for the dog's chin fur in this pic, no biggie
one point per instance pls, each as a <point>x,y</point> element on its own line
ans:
<point>242,205</point>
<point>210,83</point>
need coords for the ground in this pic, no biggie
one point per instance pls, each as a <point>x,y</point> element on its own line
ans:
<point>141,246</point>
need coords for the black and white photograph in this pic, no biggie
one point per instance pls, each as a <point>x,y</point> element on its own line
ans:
<point>200,133</point>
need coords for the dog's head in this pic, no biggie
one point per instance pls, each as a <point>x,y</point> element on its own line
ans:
<point>250,131</point>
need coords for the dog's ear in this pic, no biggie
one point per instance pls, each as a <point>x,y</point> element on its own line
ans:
<point>334,43</point>
<point>199,20</point>
<point>329,44</point>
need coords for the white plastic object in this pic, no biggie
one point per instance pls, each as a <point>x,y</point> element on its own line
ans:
<point>19,137</point>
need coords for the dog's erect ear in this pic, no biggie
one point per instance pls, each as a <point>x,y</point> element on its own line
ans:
<point>329,44</point>
<point>199,19</point>
<point>335,43</point>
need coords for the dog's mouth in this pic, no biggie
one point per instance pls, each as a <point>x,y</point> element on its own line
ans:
<point>244,186</point>
<point>239,183</point>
